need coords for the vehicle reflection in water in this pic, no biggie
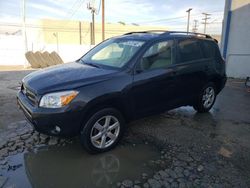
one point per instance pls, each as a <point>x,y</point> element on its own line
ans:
<point>72,167</point>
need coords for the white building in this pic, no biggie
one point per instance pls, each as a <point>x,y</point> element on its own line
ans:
<point>235,44</point>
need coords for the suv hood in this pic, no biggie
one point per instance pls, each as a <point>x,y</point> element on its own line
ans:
<point>65,77</point>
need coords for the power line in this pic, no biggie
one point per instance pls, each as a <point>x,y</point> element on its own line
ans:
<point>99,7</point>
<point>152,21</point>
<point>63,28</point>
<point>73,12</point>
<point>179,17</point>
<point>60,29</point>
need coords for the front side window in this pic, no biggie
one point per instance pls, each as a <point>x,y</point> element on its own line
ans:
<point>189,50</point>
<point>159,55</point>
<point>113,53</point>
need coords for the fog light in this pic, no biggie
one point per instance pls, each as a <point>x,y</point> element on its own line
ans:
<point>58,129</point>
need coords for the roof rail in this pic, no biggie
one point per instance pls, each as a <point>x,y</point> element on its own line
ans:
<point>148,31</point>
<point>188,33</point>
<point>165,32</point>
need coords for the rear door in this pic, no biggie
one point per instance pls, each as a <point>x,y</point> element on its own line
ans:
<point>212,53</point>
<point>153,87</point>
<point>191,67</point>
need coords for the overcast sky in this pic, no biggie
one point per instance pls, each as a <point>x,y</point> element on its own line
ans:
<point>169,13</point>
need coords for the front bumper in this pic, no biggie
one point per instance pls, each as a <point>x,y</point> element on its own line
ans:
<point>47,121</point>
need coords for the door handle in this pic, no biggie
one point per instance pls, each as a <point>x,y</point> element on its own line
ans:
<point>174,73</point>
<point>206,68</point>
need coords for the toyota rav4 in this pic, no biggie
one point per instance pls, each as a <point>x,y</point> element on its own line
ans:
<point>122,79</point>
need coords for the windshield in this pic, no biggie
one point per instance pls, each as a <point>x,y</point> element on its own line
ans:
<point>114,53</point>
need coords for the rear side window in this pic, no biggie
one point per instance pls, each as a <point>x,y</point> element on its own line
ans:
<point>189,50</point>
<point>209,49</point>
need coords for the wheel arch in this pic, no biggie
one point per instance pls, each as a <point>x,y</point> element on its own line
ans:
<point>115,101</point>
<point>217,82</point>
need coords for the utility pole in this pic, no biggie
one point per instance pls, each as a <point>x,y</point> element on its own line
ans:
<point>93,25</point>
<point>93,10</point>
<point>188,11</point>
<point>24,29</point>
<point>57,41</point>
<point>103,20</point>
<point>80,32</point>
<point>195,27</point>
<point>205,21</point>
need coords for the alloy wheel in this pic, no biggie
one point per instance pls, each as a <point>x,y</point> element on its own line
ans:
<point>105,131</point>
<point>208,97</point>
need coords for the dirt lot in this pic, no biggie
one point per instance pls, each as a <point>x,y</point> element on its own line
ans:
<point>179,148</point>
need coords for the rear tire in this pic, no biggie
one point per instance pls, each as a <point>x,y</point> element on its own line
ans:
<point>206,98</point>
<point>103,131</point>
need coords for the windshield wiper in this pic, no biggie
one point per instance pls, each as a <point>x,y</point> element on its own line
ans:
<point>91,64</point>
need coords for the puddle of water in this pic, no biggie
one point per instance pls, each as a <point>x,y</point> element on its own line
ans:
<point>71,166</point>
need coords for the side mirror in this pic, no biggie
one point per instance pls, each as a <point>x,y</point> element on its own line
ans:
<point>138,69</point>
<point>139,66</point>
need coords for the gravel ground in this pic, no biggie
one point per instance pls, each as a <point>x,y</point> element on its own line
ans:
<point>179,166</point>
<point>195,150</point>
<point>200,150</point>
<point>22,138</point>
<point>203,162</point>
<point>182,163</point>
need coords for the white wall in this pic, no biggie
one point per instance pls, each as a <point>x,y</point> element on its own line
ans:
<point>238,51</point>
<point>12,50</point>
<point>68,52</point>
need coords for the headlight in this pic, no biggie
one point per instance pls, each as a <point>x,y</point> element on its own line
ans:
<point>57,99</point>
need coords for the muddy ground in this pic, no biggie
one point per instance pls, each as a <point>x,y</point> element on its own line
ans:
<point>179,148</point>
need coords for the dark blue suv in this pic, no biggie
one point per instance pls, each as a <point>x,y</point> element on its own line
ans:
<point>123,78</point>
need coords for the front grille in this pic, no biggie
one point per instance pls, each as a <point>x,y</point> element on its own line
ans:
<point>25,110</point>
<point>29,94</point>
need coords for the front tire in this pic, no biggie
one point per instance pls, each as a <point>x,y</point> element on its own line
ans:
<point>206,98</point>
<point>103,131</point>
